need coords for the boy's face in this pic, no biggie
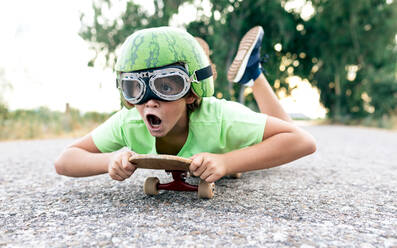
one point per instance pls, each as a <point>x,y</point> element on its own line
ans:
<point>162,118</point>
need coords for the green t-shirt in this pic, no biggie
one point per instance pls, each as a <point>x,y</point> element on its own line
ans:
<point>217,126</point>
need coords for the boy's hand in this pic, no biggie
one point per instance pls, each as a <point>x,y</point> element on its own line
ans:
<point>208,166</point>
<point>120,168</point>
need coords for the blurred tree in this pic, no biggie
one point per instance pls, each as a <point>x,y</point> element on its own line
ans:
<point>4,86</point>
<point>352,45</point>
<point>230,20</point>
<point>106,34</point>
<point>3,113</point>
<point>347,48</point>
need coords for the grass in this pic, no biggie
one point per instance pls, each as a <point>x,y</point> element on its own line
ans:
<point>43,123</point>
<point>388,123</point>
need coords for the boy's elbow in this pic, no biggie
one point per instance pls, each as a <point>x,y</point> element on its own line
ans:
<point>309,144</point>
<point>59,167</point>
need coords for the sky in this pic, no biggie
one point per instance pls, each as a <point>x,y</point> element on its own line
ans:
<point>45,61</point>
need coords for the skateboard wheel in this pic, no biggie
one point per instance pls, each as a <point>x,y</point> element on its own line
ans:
<point>150,186</point>
<point>236,175</point>
<point>206,190</point>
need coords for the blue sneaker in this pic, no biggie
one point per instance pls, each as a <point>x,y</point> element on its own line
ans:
<point>246,65</point>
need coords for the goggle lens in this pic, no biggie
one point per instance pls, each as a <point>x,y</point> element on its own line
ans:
<point>170,85</point>
<point>131,88</point>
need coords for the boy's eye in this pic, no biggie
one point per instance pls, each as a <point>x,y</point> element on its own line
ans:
<point>166,88</point>
<point>169,86</point>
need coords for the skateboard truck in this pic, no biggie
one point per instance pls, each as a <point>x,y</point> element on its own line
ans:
<point>178,167</point>
<point>179,183</point>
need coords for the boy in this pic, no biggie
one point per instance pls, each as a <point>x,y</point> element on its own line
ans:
<point>165,74</point>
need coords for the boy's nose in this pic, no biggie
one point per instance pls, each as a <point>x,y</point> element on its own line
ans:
<point>152,103</point>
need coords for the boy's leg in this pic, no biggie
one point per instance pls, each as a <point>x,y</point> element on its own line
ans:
<point>267,100</point>
<point>246,69</point>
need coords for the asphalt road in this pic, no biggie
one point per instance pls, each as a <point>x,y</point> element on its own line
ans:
<point>345,195</point>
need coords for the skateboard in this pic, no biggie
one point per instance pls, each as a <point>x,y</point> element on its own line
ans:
<point>178,167</point>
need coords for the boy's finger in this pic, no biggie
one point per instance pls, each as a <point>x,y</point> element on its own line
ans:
<point>126,164</point>
<point>196,163</point>
<point>122,173</point>
<point>131,153</point>
<point>212,178</point>
<point>115,176</point>
<point>205,175</point>
<point>200,170</point>
<point>129,168</point>
<point>117,168</point>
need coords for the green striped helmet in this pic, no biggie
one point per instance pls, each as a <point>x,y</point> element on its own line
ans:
<point>156,47</point>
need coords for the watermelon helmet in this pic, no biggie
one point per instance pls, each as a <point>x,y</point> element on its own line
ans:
<point>162,46</point>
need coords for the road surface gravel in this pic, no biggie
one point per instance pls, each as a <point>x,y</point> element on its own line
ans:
<point>344,195</point>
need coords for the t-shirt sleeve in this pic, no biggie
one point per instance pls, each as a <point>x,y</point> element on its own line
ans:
<point>241,126</point>
<point>108,136</point>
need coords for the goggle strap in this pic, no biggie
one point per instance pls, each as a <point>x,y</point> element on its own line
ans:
<point>203,73</point>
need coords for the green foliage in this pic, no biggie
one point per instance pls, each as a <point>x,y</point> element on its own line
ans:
<point>347,49</point>
<point>359,34</point>
<point>3,112</point>
<point>4,86</point>
<point>237,17</point>
<point>105,35</point>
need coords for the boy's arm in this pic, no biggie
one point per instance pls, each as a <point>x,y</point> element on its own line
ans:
<point>282,143</point>
<point>83,158</point>
<point>267,100</point>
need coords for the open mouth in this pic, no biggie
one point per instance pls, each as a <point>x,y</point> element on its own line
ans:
<point>153,120</point>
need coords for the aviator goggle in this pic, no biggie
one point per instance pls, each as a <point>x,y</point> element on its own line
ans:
<point>168,83</point>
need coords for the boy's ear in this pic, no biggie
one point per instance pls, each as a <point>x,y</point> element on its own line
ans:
<point>190,99</point>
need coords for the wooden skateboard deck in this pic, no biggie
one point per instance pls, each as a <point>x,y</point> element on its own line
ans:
<point>161,162</point>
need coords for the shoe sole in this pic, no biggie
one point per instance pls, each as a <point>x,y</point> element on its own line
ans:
<point>247,44</point>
